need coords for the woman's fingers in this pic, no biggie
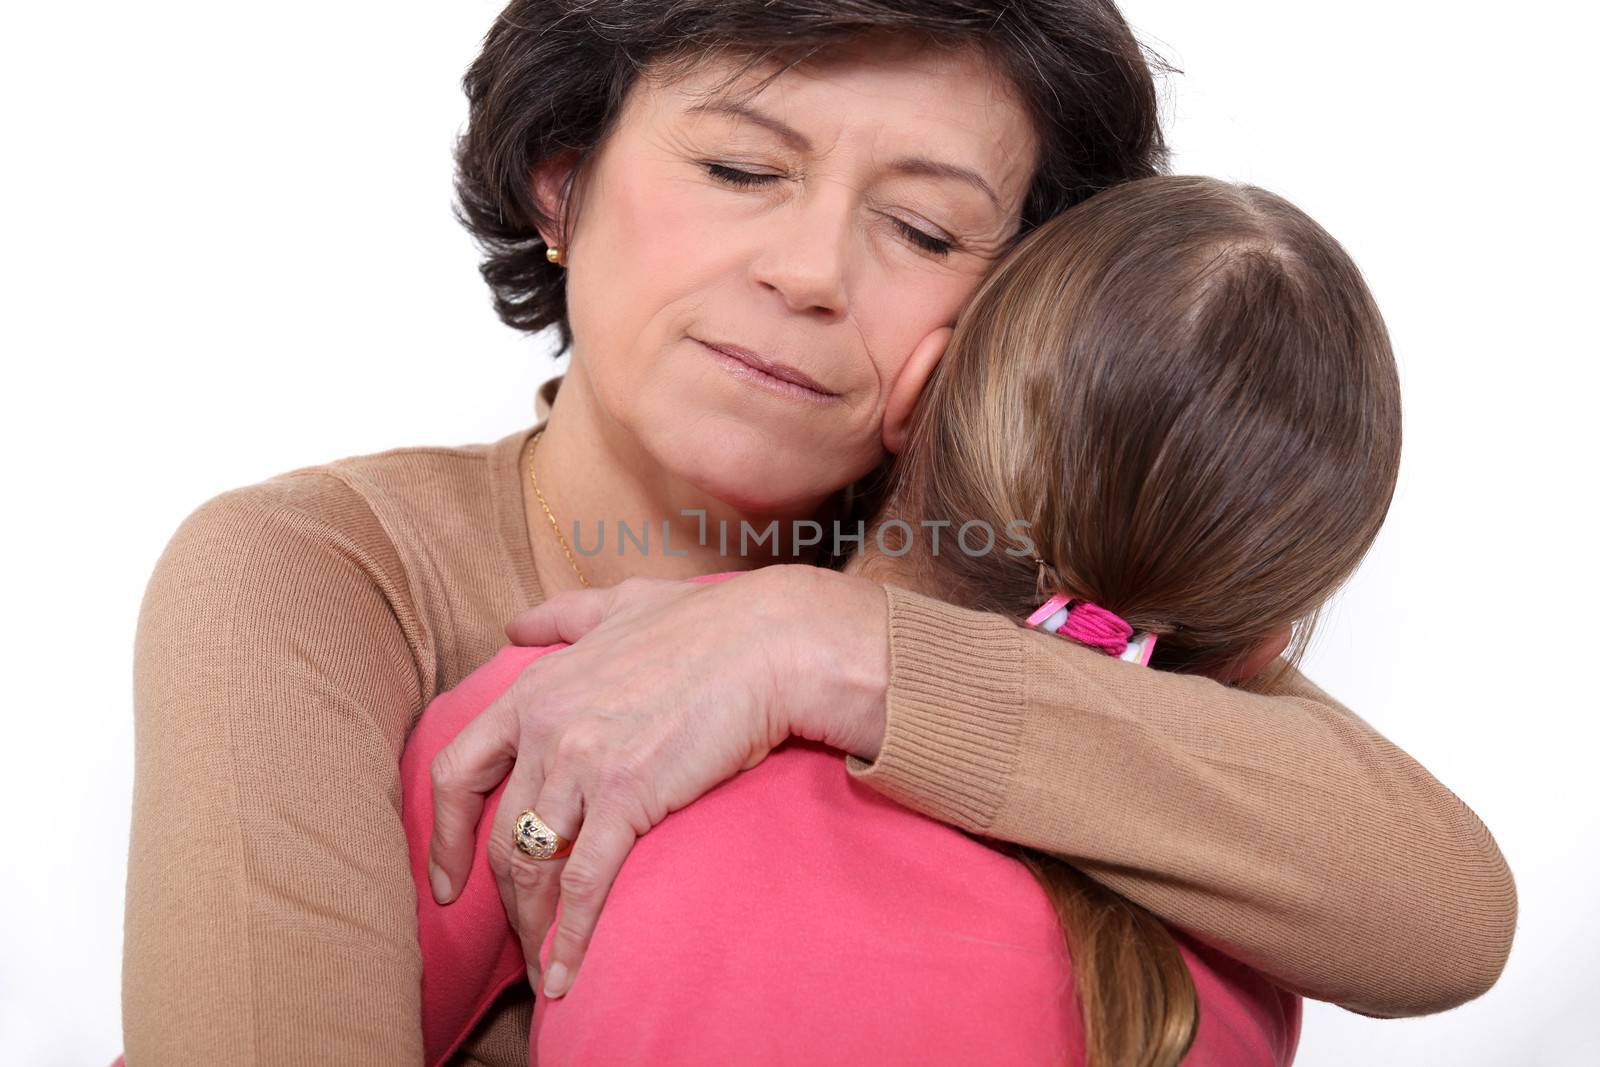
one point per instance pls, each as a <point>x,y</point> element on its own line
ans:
<point>666,697</point>
<point>463,773</point>
<point>564,617</point>
<point>597,856</point>
<point>528,886</point>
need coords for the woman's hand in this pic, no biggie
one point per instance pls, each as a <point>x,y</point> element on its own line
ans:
<point>670,688</point>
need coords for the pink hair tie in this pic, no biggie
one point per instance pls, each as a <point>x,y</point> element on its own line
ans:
<point>1090,624</point>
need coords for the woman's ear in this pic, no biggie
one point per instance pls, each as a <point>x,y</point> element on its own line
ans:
<point>549,189</point>
<point>1270,648</point>
<point>907,388</point>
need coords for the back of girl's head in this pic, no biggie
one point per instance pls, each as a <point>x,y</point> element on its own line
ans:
<point>1185,389</point>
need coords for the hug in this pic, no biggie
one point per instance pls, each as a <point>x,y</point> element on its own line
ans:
<point>869,264</point>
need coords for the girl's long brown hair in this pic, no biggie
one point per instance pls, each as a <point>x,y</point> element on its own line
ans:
<point>1186,390</point>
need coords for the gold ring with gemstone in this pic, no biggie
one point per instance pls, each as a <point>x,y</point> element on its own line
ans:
<point>535,838</point>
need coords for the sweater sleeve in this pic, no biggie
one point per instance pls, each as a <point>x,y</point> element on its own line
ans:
<point>270,915</point>
<point>1270,822</point>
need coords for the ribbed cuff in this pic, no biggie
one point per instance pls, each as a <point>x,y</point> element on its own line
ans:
<point>955,711</point>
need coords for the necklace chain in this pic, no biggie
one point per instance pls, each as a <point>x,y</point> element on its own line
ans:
<point>554,525</point>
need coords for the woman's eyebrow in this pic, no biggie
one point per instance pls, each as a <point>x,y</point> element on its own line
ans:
<point>912,165</point>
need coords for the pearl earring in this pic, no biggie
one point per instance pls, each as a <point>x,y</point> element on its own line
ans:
<point>553,253</point>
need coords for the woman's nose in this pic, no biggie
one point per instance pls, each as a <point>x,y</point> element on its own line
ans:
<point>806,252</point>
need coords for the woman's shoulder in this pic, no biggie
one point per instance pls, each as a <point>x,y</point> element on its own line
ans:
<point>388,511</point>
<point>423,538</point>
<point>297,544</point>
<point>422,478</point>
<point>299,520</point>
<point>427,485</point>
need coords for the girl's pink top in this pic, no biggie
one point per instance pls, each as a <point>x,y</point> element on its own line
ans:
<point>792,916</point>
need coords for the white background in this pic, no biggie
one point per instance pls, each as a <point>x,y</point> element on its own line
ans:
<point>227,252</point>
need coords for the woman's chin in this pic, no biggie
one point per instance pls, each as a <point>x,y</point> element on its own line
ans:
<point>762,494</point>
<point>751,470</point>
<point>743,455</point>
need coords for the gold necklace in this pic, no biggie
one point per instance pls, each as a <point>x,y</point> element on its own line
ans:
<point>554,525</point>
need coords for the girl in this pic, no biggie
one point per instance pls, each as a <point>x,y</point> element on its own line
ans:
<point>1175,411</point>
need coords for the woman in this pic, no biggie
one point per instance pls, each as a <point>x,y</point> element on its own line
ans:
<point>293,630</point>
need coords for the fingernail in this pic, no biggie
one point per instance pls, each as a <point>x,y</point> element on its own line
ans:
<point>441,884</point>
<point>555,980</point>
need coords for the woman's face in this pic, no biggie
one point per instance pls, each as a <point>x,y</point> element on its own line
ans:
<point>884,181</point>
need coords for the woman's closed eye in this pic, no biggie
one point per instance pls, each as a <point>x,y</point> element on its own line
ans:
<point>744,179</point>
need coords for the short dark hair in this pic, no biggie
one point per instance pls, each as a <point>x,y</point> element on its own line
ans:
<point>553,75</point>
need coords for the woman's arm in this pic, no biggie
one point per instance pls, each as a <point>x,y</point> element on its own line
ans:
<point>1272,823</point>
<point>270,911</point>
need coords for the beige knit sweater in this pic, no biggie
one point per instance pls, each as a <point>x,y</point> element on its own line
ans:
<point>293,631</point>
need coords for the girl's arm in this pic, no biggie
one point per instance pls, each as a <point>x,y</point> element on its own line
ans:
<point>270,914</point>
<point>1272,823</point>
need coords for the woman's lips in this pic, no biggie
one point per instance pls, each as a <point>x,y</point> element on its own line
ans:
<point>776,377</point>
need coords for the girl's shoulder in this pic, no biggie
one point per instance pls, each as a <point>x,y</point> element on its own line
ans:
<point>798,907</point>
<point>816,922</point>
